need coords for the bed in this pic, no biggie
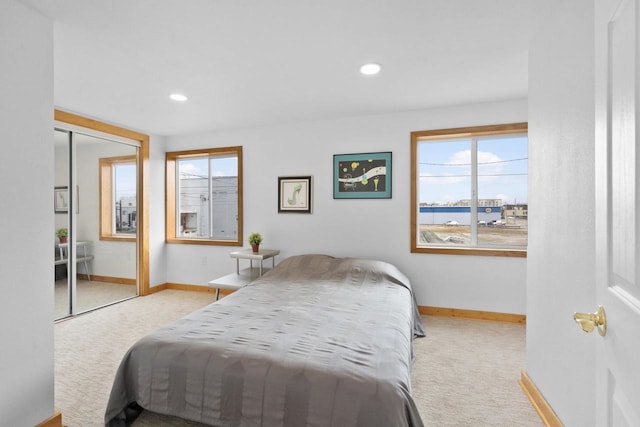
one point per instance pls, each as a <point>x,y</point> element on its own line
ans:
<point>317,341</point>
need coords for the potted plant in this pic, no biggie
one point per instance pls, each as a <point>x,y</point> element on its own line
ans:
<point>255,239</point>
<point>61,234</point>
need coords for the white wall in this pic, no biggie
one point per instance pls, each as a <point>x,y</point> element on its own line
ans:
<point>26,171</point>
<point>157,246</point>
<point>361,228</point>
<point>560,276</point>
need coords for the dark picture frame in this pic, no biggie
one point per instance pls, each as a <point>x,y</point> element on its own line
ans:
<point>61,199</point>
<point>294,194</point>
<point>362,175</point>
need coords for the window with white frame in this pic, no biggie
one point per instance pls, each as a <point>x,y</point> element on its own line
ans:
<point>469,190</point>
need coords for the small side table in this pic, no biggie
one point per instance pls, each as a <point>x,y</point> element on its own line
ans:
<point>261,255</point>
<point>247,275</point>
<point>80,257</point>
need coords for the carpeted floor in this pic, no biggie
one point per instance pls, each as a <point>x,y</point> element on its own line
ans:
<point>465,374</point>
<point>90,294</point>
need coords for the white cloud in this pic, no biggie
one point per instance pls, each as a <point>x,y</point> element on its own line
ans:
<point>460,164</point>
<point>189,170</point>
<point>488,163</point>
<point>460,158</point>
<point>487,157</point>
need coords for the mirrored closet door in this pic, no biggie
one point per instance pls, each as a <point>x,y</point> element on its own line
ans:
<point>95,205</point>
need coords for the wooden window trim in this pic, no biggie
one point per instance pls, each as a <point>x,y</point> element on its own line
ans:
<point>106,198</point>
<point>419,136</point>
<point>170,195</point>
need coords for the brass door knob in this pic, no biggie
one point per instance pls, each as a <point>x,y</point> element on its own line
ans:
<point>588,321</point>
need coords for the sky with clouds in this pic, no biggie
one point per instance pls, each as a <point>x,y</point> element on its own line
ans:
<point>445,170</point>
<point>197,167</point>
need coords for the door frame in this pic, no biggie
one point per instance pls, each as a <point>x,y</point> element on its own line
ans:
<point>143,179</point>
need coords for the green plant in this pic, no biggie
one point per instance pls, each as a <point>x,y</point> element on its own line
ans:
<point>255,238</point>
<point>62,232</point>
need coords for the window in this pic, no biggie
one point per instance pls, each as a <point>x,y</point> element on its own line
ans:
<point>204,196</point>
<point>469,190</point>
<point>118,198</point>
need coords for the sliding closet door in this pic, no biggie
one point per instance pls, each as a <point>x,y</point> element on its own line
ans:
<point>106,221</point>
<point>97,266</point>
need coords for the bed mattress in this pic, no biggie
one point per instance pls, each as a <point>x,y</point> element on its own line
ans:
<point>317,341</point>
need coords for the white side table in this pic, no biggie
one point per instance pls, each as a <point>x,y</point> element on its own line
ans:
<point>261,255</point>
<point>80,257</point>
<point>247,275</point>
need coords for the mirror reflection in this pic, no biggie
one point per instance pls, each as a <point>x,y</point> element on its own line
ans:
<point>95,204</point>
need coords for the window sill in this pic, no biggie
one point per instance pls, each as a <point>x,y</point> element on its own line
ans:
<point>117,238</point>
<point>513,253</point>
<point>187,241</point>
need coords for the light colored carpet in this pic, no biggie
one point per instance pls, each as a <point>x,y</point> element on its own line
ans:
<point>465,374</point>
<point>90,294</point>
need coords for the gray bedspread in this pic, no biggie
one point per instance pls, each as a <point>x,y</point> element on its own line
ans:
<point>317,341</point>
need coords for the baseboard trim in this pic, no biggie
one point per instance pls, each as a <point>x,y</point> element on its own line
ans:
<point>54,421</point>
<point>538,401</point>
<point>108,279</point>
<point>158,288</point>
<point>473,314</point>
<point>184,287</point>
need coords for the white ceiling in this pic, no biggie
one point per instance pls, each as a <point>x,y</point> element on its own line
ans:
<point>245,63</point>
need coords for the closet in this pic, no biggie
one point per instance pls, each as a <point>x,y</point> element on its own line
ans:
<point>98,217</point>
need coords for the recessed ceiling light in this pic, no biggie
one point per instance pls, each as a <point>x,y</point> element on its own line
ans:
<point>370,69</point>
<point>178,97</point>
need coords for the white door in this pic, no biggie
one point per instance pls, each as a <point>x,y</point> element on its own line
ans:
<point>618,210</point>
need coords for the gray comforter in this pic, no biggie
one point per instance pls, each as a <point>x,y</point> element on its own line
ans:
<point>317,341</point>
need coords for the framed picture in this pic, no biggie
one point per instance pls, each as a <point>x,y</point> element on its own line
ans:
<point>362,176</point>
<point>294,194</point>
<point>61,199</point>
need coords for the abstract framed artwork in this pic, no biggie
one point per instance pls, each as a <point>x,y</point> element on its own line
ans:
<point>362,176</point>
<point>294,194</point>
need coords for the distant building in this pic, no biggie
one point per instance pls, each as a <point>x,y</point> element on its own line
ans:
<point>126,215</point>
<point>516,211</point>
<point>481,202</point>
<point>467,202</point>
<point>194,207</point>
<point>461,214</point>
